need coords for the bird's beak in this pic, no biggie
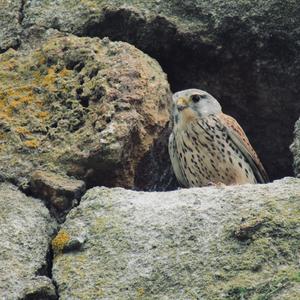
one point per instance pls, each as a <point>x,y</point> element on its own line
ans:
<point>182,104</point>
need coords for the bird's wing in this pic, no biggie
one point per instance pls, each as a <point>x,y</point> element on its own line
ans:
<point>175,160</point>
<point>238,136</point>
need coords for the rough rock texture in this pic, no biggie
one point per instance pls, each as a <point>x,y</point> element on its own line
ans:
<point>155,172</point>
<point>209,243</point>
<point>11,12</point>
<point>59,193</point>
<point>245,52</point>
<point>26,229</point>
<point>83,107</point>
<point>295,148</point>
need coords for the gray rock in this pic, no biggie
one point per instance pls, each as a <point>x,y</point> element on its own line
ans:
<point>26,229</point>
<point>60,193</point>
<point>246,53</point>
<point>295,148</point>
<point>11,12</point>
<point>237,242</point>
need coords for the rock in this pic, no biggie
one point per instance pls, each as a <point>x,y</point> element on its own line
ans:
<point>25,234</point>
<point>80,107</point>
<point>11,12</point>
<point>60,193</point>
<point>295,148</point>
<point>246,53</point>
<point>41,288</point>
<point>155,172</point>
<point>237,242</point>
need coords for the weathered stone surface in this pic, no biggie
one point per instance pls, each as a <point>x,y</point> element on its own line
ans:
<point>237,242</point>
<point>155,172</point>
<point>26,229</point>
<point>11,12</point>
<point>59,193</point>
<point>82,107</point>
<point>295,148</point>
<point>244,52</point>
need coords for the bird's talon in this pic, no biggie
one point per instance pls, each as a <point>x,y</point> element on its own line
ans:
<point>217,184</point>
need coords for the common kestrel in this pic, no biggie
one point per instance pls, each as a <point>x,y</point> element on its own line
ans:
<point>207,146</point>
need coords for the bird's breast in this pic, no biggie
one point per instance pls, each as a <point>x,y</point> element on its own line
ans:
<point>206,154</point>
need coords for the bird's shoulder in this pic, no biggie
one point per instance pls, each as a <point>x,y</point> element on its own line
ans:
<point>232,123</point>
<point>239,137</point>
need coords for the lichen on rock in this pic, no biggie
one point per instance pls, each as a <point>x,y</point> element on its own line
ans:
<point>11,13</point>
<point>80,107</point>
<point>60,242</point>
<point>26,230</point>
<point>237,242</point>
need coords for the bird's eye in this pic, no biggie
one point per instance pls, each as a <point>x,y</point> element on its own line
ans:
<point>196,98</point>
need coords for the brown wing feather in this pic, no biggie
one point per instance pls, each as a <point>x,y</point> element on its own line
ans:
<point>239,135</point>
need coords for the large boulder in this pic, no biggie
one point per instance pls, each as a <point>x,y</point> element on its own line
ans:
<point>237,242</point>
<point>26,230</point>
<point>295,148</point>
<point>245,52</point>
<point>83,107</point>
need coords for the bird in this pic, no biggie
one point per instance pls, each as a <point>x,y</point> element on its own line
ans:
<point>208,147</point>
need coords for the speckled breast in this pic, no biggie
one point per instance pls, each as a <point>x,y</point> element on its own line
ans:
<point>204,153</point>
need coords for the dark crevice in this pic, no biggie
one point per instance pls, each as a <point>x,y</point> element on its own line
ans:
<point>50,258</point>
<point>21,12</point>
<point>16,45</point>
<point>45,270</point>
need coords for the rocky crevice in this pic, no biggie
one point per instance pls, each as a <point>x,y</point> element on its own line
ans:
<point>50,258</point>
<point>21,11</point>
<point>25,237</point>
<point>45,270</point>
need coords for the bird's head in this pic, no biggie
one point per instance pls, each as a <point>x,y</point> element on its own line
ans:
<point>194,103</point>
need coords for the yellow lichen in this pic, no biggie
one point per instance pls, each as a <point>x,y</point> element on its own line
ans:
<point>43,114</point>
<point>49,80</point>
<point>22,130</point>
<point>140,292</point>
<point>13,99</point>
<point>9,65</point>
<point>60,241</point>
<point>64,72</point>
<point>32,144</point>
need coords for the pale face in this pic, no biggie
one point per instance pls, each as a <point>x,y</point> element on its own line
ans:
<point>194,103</point>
